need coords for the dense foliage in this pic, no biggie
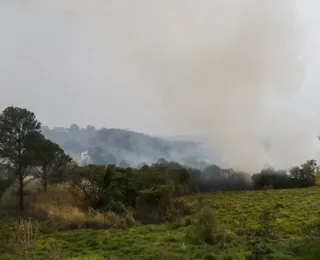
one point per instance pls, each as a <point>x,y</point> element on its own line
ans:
<point>149,191</point>
<point>22,150</point>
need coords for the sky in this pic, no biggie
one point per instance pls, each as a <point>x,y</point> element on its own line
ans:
<point>60,61</point>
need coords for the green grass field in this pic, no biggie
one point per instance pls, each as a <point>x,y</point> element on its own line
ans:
<point>297,213</point>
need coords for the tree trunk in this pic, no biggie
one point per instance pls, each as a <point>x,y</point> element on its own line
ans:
<point>45,179</point>
<point>45,184</point>
<point>21,189</point>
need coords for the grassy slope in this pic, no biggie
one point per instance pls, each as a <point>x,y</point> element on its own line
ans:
<point>236,211</point>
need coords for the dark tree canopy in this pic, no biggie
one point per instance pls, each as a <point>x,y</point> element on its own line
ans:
<point>18,129</point>
<point>48,157</point>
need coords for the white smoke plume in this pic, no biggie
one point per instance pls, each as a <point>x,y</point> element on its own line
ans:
<point>220,66</point>
<point>226,69</point>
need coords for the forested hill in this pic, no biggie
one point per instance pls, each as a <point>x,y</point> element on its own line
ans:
<point>124,147</point>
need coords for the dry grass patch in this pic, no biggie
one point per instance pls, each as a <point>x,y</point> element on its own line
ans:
<point>66,211</point>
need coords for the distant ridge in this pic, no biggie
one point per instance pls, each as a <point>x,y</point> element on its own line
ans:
<point>127,147</point>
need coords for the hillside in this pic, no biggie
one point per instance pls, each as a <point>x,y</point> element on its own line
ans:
<point>118,146</point>
<point>240,225</point>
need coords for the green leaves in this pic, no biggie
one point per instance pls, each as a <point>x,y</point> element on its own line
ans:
<point>49,154</point>
<point>18,128</point>
<point>25,150</point>
<point>48,157</point>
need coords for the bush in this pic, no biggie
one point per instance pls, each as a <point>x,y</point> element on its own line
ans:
<point>206,226</point>
<point>177,212</point>
<point>58,206</point>
<point>24,237</point>
<point>153,204</point>
<point>259,250</point>
<point>267,220</point>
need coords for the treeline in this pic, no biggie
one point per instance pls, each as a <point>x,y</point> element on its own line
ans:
<point>150,191</point>
<point>27,155</point>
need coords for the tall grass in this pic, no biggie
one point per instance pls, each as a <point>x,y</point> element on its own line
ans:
<point>66,212</point>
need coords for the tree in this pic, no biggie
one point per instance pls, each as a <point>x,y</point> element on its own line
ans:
<point>49,157</point>
<point>309,167</point>
<point>123,164</point>
<point>18,129</point>
<point>272,178</point>
<point>114,189</point>
<point>119,189</point>
<point>6,179</point>
<point>74,128</point>
<point>100,156</point>
<point>304,176</point>
<point>162,161</point>
<point>88,181</point>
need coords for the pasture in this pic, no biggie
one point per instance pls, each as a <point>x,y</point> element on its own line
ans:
<point>293,217</point>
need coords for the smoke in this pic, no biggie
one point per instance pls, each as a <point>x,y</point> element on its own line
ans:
<point>227,70</point>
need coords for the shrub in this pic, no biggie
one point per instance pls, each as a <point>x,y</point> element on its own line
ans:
<point>206,226</point>
<point>152,204</point>
<point>313,228</point>
<point>55,249</point>
<point>259,250</point>
<point>24,238</point>
<point>59,207</point>
<point>267,220</point>
<point>177,211</point>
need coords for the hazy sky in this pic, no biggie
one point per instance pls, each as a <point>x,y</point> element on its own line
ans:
<point>55,62</point>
